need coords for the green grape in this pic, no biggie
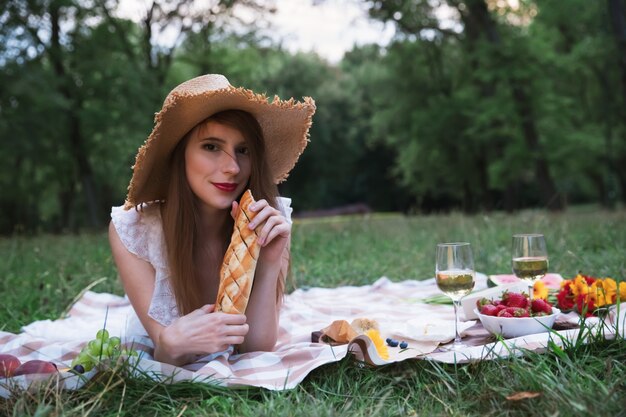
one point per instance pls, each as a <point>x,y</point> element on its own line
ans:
<point>103,334</point>
<point>115,342</point>
<point>95,348</point>
<point>88,365</point>
<point>109,350</point>
<point>105,350</point>
<point>84,359</point>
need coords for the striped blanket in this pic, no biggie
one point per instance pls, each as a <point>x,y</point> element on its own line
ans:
<point>397,306</point>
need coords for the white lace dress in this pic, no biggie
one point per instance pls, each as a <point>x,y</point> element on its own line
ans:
<point>141,232</point>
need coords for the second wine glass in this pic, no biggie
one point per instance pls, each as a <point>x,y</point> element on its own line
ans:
<point>530,258</point>
<point>455,277</point>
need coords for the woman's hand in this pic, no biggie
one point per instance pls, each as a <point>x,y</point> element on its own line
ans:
<point>275,231</point>
<point>201,332</point>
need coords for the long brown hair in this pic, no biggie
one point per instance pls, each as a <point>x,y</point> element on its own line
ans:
<point>180,214</point>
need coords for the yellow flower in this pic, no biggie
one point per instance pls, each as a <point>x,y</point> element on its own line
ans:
<point>379,343</point>
<point>622,291</point>
<point>540,290</point>
<point>610,290</point>
<point>598,295</point>
<point>602,292</point>
<point>579,286</point>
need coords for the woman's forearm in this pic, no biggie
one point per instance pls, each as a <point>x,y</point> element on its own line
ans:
<point>262,310</point>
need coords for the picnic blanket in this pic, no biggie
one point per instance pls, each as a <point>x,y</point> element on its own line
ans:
<point>397,306</point>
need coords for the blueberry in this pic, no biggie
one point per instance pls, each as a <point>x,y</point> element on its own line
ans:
<point>388,340</point>
<point>79,368</point>
<point>392,342</point>
<point>403,345</point>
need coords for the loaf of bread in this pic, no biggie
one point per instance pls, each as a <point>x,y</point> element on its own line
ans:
<point>239,264</point>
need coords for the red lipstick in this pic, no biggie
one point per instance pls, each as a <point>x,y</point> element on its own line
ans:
<point>225,186</point>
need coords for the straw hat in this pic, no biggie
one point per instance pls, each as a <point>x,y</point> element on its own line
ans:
<point>285,126</point>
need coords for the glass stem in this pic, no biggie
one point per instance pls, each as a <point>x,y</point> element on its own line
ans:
<point>531,287</point>
<point>457,336</point>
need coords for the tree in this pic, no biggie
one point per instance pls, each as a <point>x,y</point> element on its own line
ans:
<point>97,79</point>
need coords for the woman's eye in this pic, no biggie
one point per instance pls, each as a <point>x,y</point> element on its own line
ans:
<point>243,151</point>
<point>210,147</point>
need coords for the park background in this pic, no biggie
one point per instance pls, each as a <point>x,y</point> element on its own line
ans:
<point>472,106</point>
<point>476,118</point>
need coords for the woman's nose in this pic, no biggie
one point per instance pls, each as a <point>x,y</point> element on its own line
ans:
<point>230,163</point>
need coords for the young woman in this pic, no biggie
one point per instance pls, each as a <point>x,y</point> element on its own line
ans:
<point>210,143</point>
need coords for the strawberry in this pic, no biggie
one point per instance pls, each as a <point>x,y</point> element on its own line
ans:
<point>489,310</point>
<point>483,302</point>
<point>541,306</point>
<point>520,312</point>
<point>504,313</point>
<point>515,299</point>
<point>500,307</point>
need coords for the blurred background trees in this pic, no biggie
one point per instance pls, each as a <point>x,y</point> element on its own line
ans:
<point>475,105</point>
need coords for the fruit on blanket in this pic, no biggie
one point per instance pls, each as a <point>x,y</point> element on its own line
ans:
<point>489,310</point>
<point>515,299</point>
<point>501,280</point>
<point>514,305</point>
<point>482,302</point>
<point>404,345</point>
<point>115,341</point>
<point>79,369</point>
<point>103,334</point>
<point>98,349</point>
<point>339,332</point>
<point>551,280</point>
<point>541,306</point>
<point>35,366</point>
<point>8,365</point>
<point>85,360</point>
<point>95,348</point>
<point>392,342</point>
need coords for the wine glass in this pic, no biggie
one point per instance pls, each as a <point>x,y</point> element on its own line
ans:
<point>455,278</point>
<point>530,258</point>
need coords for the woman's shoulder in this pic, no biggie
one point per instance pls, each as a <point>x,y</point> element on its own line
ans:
<point>139,229</point>
<point>142,214</point>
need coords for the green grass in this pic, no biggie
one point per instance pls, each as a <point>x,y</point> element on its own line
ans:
<point>42,275</point>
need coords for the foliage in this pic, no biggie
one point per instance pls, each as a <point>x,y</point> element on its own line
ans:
<point>43,274</point>
<point>475,105</point>
<point>497,114</point>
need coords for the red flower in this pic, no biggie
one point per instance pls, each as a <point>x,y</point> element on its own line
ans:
<point>590,280</point>
<point>585,305</point>
<point>565,299</point>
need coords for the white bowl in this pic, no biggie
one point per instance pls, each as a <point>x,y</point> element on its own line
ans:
<point>517,326</point>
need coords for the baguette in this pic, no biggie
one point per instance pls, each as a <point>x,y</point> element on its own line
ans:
<point>239,264</point>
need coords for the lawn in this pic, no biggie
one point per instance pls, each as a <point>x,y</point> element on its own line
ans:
<point>42,275</point>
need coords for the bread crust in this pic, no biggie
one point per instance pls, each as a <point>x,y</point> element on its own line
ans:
<point>239,264</point>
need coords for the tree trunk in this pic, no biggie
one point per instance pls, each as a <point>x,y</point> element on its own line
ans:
<point>621,175</point>
<point>524,109</point>
<point>479,21</point>
<point>617,14</point>
<point>76,140</point>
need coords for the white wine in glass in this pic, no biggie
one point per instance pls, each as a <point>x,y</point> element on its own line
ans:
<point>455,276</point>
<point>530,258</point>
